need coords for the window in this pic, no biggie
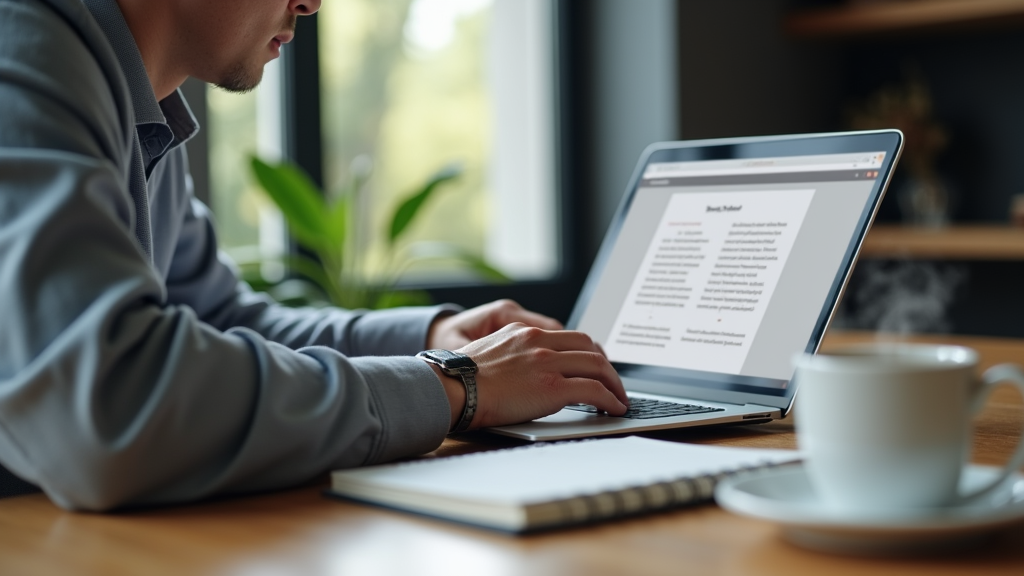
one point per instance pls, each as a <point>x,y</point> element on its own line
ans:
<point>407,87</point>
<point>231,127</point>
<point>249,227</point>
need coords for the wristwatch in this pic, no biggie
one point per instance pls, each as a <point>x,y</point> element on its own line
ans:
<point>457,366</point>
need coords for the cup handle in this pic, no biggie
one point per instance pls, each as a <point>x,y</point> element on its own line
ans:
<point>995,375</point>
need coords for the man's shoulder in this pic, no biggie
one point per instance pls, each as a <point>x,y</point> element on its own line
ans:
<point>61,36</point>
<point>28,19</point>
<point>53,56</point>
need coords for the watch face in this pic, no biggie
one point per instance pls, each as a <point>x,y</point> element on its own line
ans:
<point>450,359</point>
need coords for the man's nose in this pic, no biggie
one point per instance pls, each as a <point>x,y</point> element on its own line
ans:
<point>303,7</point>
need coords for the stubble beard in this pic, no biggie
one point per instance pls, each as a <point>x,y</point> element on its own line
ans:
<point>239,79</point>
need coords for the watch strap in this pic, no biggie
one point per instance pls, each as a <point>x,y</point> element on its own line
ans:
<point>469,410</point>
<point>459,366</point>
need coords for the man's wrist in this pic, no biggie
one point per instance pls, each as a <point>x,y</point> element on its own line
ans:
<point>456,393</point>
<point>462,368</point>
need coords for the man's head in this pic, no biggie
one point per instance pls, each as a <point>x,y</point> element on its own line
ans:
<point>223,42</point>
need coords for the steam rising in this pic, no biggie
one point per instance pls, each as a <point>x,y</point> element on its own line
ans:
<point>903,297</point>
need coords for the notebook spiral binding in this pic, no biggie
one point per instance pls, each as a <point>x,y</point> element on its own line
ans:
<point>585,506</point>
<point>635,500</point>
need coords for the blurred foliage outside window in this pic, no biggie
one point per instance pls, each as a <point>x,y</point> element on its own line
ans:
<point>404,91</point>
<point>235,199</point>
<point>403,83</point>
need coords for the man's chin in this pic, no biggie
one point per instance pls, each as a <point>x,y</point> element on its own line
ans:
<point>240,79</point>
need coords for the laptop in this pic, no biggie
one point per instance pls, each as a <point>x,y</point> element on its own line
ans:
<point>724,260</point>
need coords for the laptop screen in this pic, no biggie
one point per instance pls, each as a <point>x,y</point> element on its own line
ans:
<point>721,270</point>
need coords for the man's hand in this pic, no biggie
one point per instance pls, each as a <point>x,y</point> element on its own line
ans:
<point>452,332</point>
<point>527,372</point>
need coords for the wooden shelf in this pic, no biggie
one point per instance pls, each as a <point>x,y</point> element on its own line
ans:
<point>951,243</point>
<point>905,16</point>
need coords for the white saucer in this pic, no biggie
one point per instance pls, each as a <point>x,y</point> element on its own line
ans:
<point>784,495</point>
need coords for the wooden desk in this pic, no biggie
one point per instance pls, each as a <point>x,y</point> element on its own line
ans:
<point>301,532</point>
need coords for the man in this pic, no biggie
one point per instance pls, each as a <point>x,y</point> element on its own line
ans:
<point>134,368</point>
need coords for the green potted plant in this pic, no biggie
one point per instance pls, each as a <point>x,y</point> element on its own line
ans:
<point>331,268</point>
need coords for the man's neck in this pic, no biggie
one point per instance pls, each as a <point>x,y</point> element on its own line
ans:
<point>149,22</point>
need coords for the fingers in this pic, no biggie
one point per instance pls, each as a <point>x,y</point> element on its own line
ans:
<point>571,354</point>
<point>446,332</point>
<point>594,367</point>
<point>584,360</point>
<point>587,391</point>
<point>575,363</point>
<point>508,311</point>
<point>478,322</point>
<point>534,319</point>
<point>558,340</point>
<point>526,372</point>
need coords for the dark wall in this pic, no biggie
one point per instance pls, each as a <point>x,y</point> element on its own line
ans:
<point>978,97</point>
<point>976,81</point>
<point>739,75</point>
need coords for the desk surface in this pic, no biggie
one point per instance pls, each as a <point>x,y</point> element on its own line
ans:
<point>300,532</point>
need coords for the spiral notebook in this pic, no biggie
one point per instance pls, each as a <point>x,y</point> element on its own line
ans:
<point>546,486</point>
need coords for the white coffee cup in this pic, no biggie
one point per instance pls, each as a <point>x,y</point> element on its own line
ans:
<point>886,428</point>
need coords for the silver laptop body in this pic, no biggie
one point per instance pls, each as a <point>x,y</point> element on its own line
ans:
<point>725,258</point>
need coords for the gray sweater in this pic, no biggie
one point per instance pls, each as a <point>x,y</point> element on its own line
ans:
<point>134,367</point>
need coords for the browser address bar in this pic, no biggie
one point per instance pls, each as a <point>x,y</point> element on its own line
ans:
<point>819,163</point>
<point>650,174</point>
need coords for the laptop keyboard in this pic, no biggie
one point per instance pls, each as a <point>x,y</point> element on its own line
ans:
<point>644,408</point>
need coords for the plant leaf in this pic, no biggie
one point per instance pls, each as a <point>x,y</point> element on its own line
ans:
<point>425,251</point>
<point>298,198</point>
<point>485,270</point>
<point>315,273</point>
<point>337,223</point>
<point>408,209</point>
<point>396,298</point>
